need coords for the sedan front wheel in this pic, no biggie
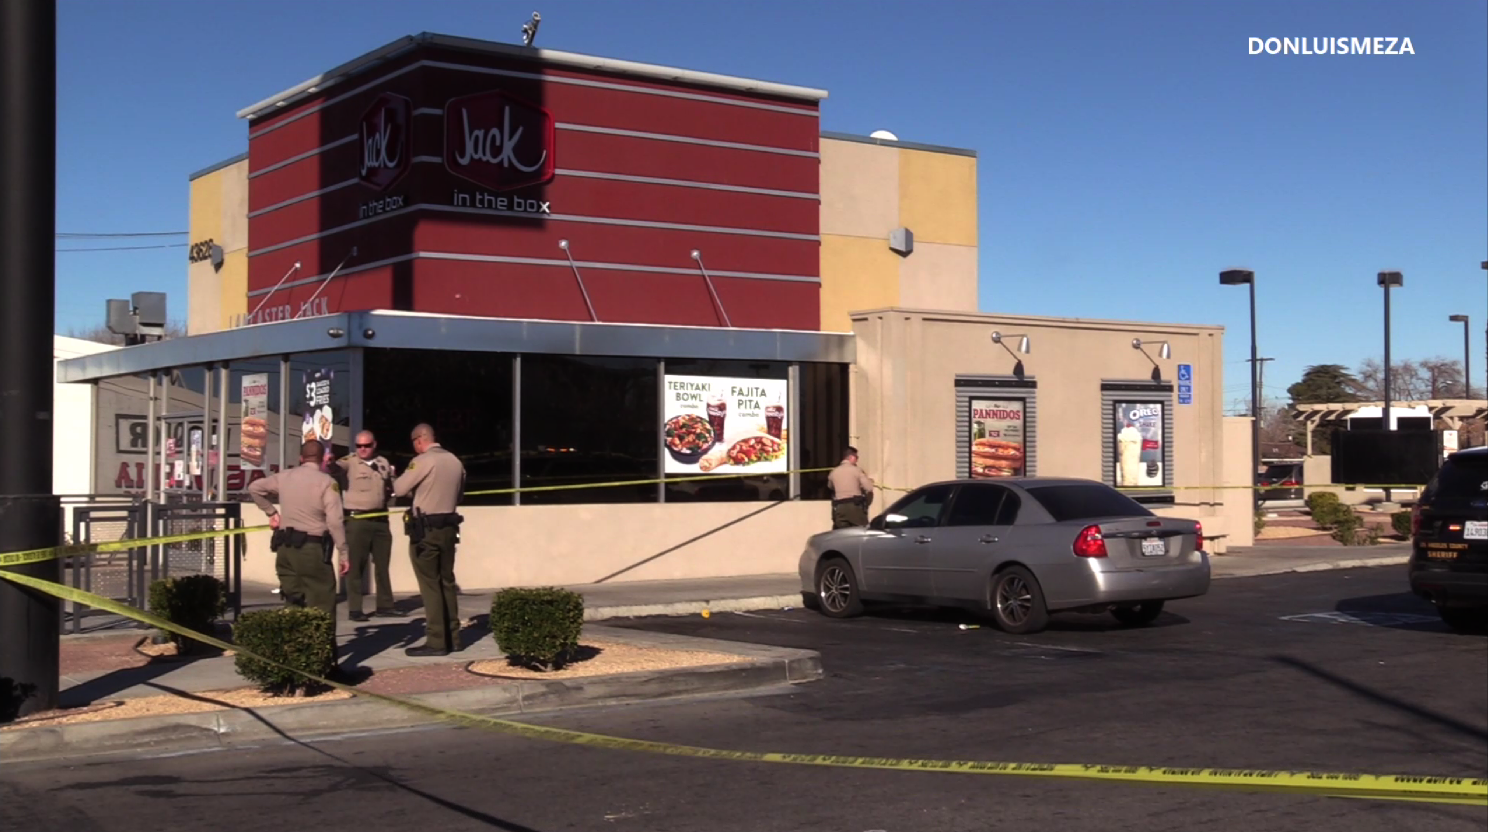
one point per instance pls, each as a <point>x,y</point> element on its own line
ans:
<point>837,589</point>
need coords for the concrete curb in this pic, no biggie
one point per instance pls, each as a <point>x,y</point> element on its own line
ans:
<point>761,667</point>
<point>1322,566</point>
<point>757,602</point>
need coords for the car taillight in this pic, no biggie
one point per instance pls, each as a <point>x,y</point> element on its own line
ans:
<point>1090,544</point>
<point>1198,535</point>
<point>1415,519</point>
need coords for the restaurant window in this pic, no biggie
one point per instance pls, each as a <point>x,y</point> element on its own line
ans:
<point>319,402</point>
<point>824,424</point>
<point>253,409</point>
<point>725,430</point>
<point>465,396</point>
<point>997,419</point>
<point>586,421</point>
<point>1138,438</point>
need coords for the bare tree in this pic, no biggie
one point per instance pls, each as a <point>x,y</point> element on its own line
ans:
<point>101,333</point>
<point>1408,381</point>
<point>1443,378</point>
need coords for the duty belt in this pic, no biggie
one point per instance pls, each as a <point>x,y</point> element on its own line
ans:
<point>363,511</point>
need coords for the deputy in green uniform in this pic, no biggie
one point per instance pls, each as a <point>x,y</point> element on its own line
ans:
<point>367,482</point>
<point>436,479</point>
<point>852,492</point>
<point>307,525</point>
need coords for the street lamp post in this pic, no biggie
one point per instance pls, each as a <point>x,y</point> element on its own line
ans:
<point>1386,280</point>
<point>30,514</point>
<point>1246,277</point>
<point>1466,356</point>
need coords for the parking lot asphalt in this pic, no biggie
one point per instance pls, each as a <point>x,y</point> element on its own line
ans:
<point>1331,671</point>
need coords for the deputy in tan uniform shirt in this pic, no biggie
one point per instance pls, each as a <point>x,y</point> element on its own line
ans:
<point>852,492</point>
<point>309,512</point>
<point>436,479</point>
<point>367,483</point>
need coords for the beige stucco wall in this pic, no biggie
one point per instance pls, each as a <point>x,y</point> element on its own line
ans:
<point>219,213</point>
<point>904,397</point>
<point>870,188</point>
<point>1238,510</point>
<point>559,545</point>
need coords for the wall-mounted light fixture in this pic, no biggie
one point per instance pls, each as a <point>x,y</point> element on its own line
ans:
<point>1165,353</point>
<point>1023,347</point>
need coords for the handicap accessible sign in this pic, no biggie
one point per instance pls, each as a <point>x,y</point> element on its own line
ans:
<point>1185,384</point>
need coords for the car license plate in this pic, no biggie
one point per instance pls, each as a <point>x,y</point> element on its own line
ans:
<point>1475,530</point>
<point>1154,547</point>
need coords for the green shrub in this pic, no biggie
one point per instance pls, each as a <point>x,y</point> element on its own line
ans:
<point>1260,521</point>
<point>300,637</point>
<point>1317,500</point>
<point>1401,521</point>
<point>1346,526</point>
<point>194,602</point>
<point>1329,514</point>
<point>12,697</point>
<point>537,628</point>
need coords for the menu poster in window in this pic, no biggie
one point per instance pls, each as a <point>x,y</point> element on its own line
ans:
<point>1139,450</point>
<point>253,429</point>
<point>718,425</point>
<point>319,417</point>
<point>997,438</point>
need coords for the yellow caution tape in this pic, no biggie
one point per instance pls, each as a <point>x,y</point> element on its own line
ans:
<point>1450,790</point>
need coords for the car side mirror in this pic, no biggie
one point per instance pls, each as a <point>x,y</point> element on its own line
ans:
<point>893,521</point>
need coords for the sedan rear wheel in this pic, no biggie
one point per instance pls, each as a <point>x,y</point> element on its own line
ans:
<point>1018,602</point>
<point>837,589</point>
<point>1137,615</point>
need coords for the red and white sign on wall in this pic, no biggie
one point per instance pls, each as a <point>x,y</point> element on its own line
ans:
<point>384,141</point>
<point>497,141</point>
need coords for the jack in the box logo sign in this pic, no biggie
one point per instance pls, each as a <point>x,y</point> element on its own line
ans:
<point>384,141</point>
<point>498,141</point>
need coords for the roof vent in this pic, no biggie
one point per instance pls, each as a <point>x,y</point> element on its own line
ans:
<point>884,135</point>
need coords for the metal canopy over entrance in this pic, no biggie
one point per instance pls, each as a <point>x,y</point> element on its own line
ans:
<point>1455,413</point>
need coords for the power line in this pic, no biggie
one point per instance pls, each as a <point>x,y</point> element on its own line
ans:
<point>73,234</point>
<point>122,248</point>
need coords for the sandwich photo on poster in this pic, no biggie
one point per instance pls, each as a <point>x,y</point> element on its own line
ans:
<point>1139,453</point>
<point>253,431</point>
<point>720,425</point>
<point>997,438</point>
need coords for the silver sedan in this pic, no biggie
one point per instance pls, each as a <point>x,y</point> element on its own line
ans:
<point>1016,549</point>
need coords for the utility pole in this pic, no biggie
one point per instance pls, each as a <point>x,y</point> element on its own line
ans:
<point>30,514</point>
<point>1259,368</point>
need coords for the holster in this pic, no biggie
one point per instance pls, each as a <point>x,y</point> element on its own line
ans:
<point>414,526</point>
<point>276,540</point>
<point>328,547</point>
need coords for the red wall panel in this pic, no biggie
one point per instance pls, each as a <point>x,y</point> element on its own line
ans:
<point>537,290</point>
<point>552,292</point>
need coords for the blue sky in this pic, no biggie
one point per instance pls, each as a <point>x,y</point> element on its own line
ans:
<point>1128,151</point>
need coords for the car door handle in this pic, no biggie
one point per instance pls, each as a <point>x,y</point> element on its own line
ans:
<point>922,539</point>
<point>987,538</point>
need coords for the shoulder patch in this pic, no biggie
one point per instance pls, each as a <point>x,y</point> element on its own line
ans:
<point>410,466</point>
<point>336,486</point>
